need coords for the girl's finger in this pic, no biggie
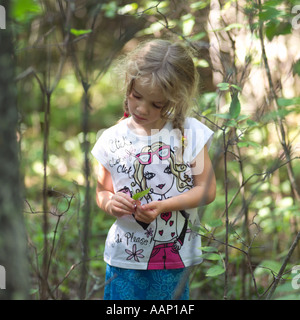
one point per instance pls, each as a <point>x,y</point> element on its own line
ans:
<point>126,200</point>
<point>121,209</point>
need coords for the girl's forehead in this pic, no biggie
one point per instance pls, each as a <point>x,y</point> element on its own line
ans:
<point>145,87</point>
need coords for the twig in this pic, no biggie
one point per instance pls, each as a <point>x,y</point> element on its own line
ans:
<point>283,266</point>
<point>65,196</point>
<point>73,267</point>
<point>225,145</point>
<point>281,130</point>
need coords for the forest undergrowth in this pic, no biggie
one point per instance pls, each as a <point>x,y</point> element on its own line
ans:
<point>247,54</point>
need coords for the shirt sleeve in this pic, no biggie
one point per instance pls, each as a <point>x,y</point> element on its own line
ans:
<point>197,135</point>
<point>99,150</point>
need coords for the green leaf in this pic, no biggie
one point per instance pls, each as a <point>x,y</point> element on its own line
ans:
<point>283,102</point>
<point>198,5</point>
<point>202,231</point>
<point>209,249</point>
<point>215,223</point>
<point>79,32</point>
<point>24,10</point>
<point>233,26</point>
<point>223,86</point>
<point>141,194</point>
<point>231,123</point>
<point>128,9</point>
<point>281,113</point>
<point>110,9</point>
<point>243,143</point>
<point>242,117</point>
<point>276,28</point>
<point>222,115</point>
<point>202,63</point>
<point>296,67</point>
<point>235,107</point>
<point>254,144</point>
<point>229,27</point>
<point>215,271</point>
<point>198,36</point>
<point>270,265</point>
<point>187,26</point>
<point>211,256</point>
<point>251,123</point>
<point>270,13</point>
<point>236,87</point>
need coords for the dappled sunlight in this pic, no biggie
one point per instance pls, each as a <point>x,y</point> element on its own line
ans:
<point>69,90</point>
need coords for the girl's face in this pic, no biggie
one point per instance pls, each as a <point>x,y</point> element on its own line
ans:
<point>145,104</point>
<point>157,169</point>
<point>159,177</point>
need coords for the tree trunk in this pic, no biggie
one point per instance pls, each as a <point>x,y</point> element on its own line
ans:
<point>14,270</point>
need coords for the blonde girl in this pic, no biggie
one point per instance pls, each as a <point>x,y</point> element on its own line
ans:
<point>160,81</point>
<point>170,67</point>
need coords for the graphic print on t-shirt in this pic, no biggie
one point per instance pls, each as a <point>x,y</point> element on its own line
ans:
<point>137,163</point>
<point>155,167</point>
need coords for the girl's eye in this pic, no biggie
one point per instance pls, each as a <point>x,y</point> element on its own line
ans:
<point>149,175</point>
<point>160,105</point>
<point>168,170</point>
<point>135,96</point>
<point>156,106</point>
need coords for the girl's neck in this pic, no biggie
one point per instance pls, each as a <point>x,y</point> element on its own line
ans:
<point>144,130</point>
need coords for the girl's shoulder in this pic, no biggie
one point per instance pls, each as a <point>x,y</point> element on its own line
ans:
<point>198,133</point>
<point>193,123</point>
<point>117,128</point>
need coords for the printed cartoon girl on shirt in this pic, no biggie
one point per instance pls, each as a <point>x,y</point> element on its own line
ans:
<point>161,178</point>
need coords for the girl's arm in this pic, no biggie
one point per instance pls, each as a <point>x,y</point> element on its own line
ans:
<point>115,204</point>
<point>203,192</point>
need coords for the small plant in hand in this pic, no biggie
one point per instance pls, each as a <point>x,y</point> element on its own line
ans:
<point>140,194</point>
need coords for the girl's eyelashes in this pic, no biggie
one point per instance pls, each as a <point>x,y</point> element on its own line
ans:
<point>139,97</point>
<point>135,96</point>
<point>156,106</point>
<point>149,175</point>
<point>168,170</point>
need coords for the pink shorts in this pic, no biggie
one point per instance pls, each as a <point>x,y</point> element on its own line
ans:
<point>164,256</point>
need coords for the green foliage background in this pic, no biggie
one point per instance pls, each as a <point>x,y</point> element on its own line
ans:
<point>68,91</point>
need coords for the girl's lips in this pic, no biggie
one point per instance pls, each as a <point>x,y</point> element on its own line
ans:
<point>139,118</point>
<point>160,186</point>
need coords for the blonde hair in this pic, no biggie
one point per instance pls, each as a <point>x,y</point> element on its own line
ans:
<point>169,66</point>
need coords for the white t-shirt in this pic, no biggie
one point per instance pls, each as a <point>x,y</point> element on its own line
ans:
<point>137,163</point>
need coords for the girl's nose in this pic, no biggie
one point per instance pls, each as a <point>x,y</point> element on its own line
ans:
<point>142,108</point>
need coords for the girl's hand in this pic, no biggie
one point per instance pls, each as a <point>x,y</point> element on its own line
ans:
<point>176,246</point>
<point>120,204</point>
<point>148,212</point>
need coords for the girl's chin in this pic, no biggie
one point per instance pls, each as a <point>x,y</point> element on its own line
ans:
<point>158,192</point>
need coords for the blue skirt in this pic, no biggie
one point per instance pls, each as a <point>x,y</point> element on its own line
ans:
<point>127,284</point>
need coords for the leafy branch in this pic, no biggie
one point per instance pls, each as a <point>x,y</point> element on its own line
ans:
<point>141,194</point>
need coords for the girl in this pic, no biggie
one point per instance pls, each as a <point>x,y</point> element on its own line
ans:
<point>155,147</point>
